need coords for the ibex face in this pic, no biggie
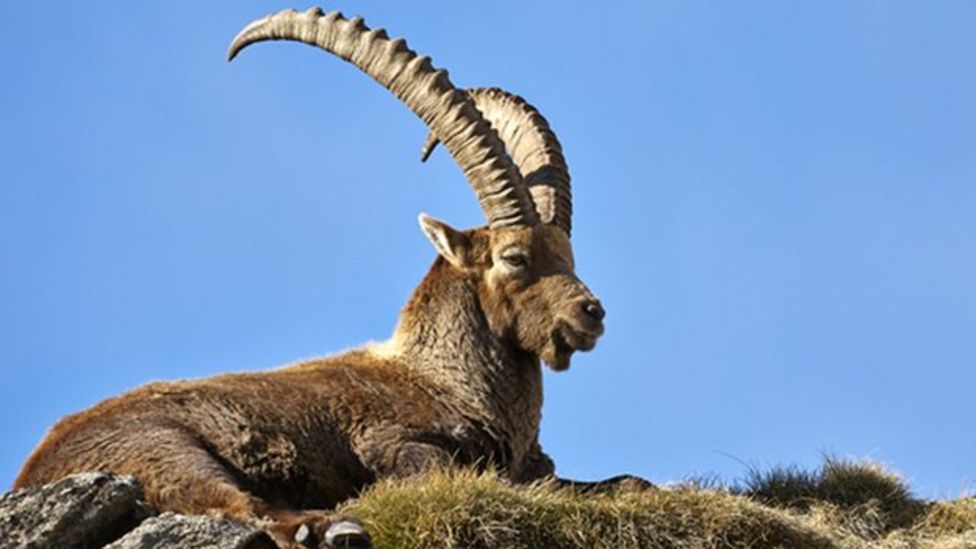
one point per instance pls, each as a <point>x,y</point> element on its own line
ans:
<point>527,286</point>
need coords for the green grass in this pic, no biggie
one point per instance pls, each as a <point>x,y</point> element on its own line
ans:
<point>844,504</point>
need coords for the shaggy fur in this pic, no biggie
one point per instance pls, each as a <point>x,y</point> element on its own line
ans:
<point>460,383</point>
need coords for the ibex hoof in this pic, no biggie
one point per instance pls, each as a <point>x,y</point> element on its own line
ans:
<point>341,535</point>
<point>303,536</point>
<point>327,532</point>
<point>631,483</point>
<point>346,534</point>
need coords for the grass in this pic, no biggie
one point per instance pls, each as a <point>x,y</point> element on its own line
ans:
<point>844,504</point>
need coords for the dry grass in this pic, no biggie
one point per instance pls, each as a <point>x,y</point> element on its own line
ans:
<point>842,505</point>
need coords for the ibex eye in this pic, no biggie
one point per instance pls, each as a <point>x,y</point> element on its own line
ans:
<point>515,260</point>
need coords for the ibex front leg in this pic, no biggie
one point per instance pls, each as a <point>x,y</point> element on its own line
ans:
<point>538,465</point>
<point>619,483</point>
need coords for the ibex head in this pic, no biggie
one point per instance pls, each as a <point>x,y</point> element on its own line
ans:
<point>521,263</point>
<point>526,286</point>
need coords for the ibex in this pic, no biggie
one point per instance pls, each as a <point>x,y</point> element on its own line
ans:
<point>459,382</point>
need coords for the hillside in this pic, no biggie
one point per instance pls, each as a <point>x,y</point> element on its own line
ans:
<point>841,505</point>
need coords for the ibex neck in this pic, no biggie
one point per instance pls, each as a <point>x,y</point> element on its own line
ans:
<point>444,335</point>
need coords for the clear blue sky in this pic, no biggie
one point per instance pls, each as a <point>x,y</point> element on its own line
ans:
<point>777,205</point>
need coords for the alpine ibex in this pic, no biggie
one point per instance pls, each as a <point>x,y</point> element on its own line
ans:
<point>459,382</point>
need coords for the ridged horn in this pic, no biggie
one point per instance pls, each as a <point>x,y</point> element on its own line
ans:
<point>533,147</point>
<point>427,91</point>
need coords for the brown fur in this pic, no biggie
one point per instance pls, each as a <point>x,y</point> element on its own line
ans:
<point>460,382</point>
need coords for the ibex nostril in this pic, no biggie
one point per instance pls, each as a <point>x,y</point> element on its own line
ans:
<point>594,309</point>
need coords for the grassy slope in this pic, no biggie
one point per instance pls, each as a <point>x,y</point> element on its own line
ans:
<point>844,504</point>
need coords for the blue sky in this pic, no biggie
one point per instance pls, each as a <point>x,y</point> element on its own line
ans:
<point>775,203</point>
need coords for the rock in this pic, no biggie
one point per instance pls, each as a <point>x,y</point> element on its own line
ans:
<point>95,509</point>
<point>84,510</point>
<point>170,530</point>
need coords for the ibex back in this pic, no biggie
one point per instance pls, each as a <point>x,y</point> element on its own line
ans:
<point>460,381</point>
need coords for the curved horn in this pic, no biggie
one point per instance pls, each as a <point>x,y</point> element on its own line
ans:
<point>533,147</point>
<point>427,91</point>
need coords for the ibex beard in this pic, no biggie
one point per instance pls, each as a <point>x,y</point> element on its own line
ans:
<point>459,383</point>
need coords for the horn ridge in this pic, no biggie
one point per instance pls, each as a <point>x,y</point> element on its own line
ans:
<point>427,91</point>
<point>533,147</point>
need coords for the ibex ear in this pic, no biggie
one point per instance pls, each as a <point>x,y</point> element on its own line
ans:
<point>453,245</point>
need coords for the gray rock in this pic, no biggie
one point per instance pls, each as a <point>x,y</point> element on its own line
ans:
<point>84,510</point>
<point>170,530</point>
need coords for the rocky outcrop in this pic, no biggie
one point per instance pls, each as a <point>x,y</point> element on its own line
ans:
<point>174,531</point>
<point>105,510</point>
<point>86,510</point>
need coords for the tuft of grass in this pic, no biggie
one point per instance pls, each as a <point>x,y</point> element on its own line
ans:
<point>843,504</point>
<point>863,490</point>
<point>948,517</point>
<point>468,509</point>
